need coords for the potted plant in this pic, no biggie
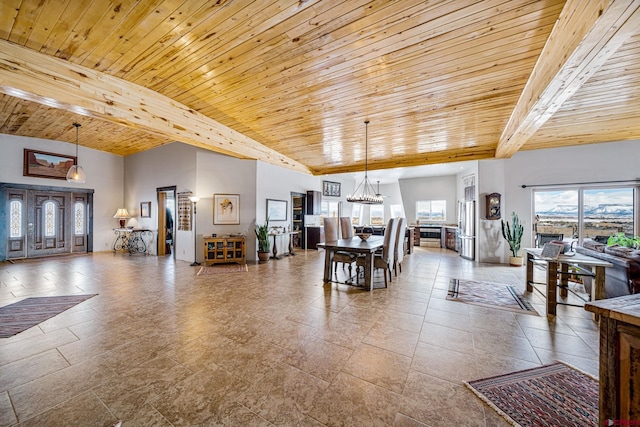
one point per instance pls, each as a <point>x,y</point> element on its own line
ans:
<point>512,233</point>
<point>264,245</point>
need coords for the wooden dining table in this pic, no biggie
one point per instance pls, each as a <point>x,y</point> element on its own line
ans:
<point>354,245</point>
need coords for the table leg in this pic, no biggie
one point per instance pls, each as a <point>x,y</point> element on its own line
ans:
<point>291,245</point>
<point>368,271</point>
<point>275,248</point>
<point>328,258</point>
<point>598,290</point>
<point>552,287</point>
<point>529,272</point>
<point>564,280</point>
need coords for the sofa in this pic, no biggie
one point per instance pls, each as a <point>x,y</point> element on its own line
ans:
<point>624,277</point>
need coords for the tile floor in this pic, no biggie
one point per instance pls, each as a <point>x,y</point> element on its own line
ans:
<point>160,346</point>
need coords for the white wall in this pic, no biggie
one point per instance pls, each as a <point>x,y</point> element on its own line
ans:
<point>105,175</point>
<point>490,243</point>
<point>429,188</point>
<point>169,165</point>
<point>613,161</point>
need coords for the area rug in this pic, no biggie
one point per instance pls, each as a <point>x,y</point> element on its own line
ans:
<point>494,295</point>
<point>222,268</point>
<point>22,315</point>
<point>551,395</point>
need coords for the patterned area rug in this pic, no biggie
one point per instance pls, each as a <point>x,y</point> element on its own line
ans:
<point>488,294</point>
<point>22,315</point>
<point>551,395</point>
<point>222,268</point>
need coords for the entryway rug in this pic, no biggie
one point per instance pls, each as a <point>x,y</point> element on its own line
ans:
<point>22,315</point>
<point>222,268</point>
<point>551,395</point>
<point>489,294</point>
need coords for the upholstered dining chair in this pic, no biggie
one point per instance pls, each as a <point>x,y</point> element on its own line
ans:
<point>385,259</point>
<point>330,235</point>
<point>345,227</point>
<point>399,252</point>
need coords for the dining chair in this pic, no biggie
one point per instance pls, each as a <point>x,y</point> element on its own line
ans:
<point>385,259</point>
<point>345,227</point>
<point>399,252</point>
<point>330,235</point>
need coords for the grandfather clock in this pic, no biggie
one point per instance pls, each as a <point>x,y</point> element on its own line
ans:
<point>493,206</point>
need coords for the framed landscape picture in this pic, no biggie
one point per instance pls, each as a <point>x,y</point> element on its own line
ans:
<point>47,165</point>
<point>330,188</point>
<point>276,210</point>
<point>226,209</point>
<point>145,210</point>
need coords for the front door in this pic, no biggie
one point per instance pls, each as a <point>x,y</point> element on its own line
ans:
<point>49,223</point>
<point>43,221</point>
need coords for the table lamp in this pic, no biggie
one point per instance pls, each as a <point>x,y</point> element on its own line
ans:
<point>122,215</point>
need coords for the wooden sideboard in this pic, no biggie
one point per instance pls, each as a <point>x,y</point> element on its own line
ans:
<point>223,249</point>
<point>619,358</point>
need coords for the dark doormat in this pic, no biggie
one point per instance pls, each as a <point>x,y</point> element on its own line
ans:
<point>22,315</point>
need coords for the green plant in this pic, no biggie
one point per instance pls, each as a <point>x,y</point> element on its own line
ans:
<point>512,233</point>
<point>262,233</point>
<point>621,239</point>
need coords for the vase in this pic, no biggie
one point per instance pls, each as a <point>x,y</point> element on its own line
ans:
<point>263,256</point>
<point>516,261</point>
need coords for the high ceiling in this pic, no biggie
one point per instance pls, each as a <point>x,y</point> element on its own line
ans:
<point>291,82</point>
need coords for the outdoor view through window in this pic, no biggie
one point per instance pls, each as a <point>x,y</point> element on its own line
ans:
<point>604,213</point>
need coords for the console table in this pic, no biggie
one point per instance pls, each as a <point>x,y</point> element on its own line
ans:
<point>619,358</point>
<point>275,245</point>
<point>131,240</point>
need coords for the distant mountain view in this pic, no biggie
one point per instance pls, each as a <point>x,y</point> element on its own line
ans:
<point>607,210</point>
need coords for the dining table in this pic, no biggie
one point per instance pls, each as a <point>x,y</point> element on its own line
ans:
<point>354,245</point>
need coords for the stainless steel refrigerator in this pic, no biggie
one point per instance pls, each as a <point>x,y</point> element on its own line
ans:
<point>467,228</point>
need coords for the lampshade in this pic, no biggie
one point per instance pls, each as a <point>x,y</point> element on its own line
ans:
<point>76,172</point>
<point>122,215</point>
<point>194,199</point>
<point>368,195</point>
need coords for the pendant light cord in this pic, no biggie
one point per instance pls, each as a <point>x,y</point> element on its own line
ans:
<point>77,125</point>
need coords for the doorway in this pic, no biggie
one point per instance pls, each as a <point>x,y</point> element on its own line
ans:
<point>166,221</point>
<point>45,221</point>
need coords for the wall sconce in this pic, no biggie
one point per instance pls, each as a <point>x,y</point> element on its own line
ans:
<point>122,215</point>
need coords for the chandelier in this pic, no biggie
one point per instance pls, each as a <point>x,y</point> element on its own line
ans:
<point>368,195</point>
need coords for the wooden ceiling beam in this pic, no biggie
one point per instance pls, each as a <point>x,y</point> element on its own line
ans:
<point>581,41</point>
<point>33,76</point>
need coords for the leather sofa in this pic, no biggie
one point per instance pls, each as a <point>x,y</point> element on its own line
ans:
<point>624,277</point>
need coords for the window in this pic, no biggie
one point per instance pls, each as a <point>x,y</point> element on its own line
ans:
<point>15,209</point>
<point>356,213</point>
<point>431,210</point>
<point>78,218</point>
<point>376,214</point>
<point>49,209</point>
<point>329,209</point>
<point>396,211</point>
<point>584,213</point>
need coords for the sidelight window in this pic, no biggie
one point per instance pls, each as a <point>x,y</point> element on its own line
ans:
<point>78,218</point>
<point>15,209</point>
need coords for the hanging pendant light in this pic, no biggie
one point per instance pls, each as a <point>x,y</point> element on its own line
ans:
<point>76,173</point>
<point>368,195</point>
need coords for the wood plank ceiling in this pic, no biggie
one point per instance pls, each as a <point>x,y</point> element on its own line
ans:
<point>291,82</point>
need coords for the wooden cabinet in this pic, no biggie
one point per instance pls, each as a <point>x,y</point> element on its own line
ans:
<point>315,235</point>
<point>224,249</point>
<point>298,210</point>
<point>619,357</point>
<point>449,236</point>
<point>416,236</point>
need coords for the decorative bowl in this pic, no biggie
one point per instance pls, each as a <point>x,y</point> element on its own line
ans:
<point>364,236</point>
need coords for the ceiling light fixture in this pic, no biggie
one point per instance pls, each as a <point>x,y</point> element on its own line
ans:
<point>368,195</point>
<point>76,173</point>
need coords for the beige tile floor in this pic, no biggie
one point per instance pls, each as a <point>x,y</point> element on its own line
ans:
<point>274,346</point>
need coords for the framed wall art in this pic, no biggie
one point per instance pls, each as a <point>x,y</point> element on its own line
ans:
<point>145,210</point>
<point>330,188</point>
<point>276,210</point>
<point>47,165</point>
<point>226,209</point>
